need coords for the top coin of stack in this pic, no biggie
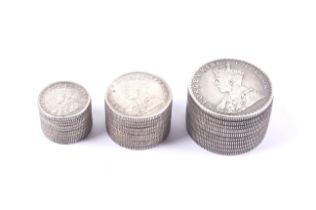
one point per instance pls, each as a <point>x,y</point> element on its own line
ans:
<point>138,110</point>
<point>229,106</point>
<point>65,112</point>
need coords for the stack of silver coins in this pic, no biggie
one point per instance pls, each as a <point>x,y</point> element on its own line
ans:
<point>65,112</point>
<point>229,106</point>
<point>138,110</point>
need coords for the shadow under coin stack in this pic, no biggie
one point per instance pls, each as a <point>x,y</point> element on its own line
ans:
<point>65,112</point>
<point>138,110</point>
<point>229,106</point>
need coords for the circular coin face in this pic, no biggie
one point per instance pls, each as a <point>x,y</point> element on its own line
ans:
<point>138,95</point>
<point>63,99</point>
<point>231,88</point>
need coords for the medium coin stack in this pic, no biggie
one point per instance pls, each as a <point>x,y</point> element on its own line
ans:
<point>229,106</point>
<point>138,110</point>
<point>65,112</point>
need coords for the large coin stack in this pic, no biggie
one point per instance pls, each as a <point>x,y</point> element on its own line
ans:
<point>138,110</point>
<point>229,106</point>
<point>65,112</point>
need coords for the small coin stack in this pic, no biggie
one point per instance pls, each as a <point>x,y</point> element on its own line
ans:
<point>229,106</point>
<point>65,112</point>
<point>138,110</point>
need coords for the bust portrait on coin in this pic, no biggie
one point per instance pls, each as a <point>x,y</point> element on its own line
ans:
<point>140,99</point>
<point>65,102</point>
<point>237,97</point>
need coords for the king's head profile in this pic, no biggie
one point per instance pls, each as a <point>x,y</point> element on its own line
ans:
<point>226,79</point>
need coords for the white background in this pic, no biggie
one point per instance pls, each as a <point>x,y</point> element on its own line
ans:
<point>93,42</point>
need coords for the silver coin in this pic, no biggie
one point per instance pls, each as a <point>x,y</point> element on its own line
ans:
<point>212,136</point>
<point>193,107</point>
<point>231,89</point>
<point>65,112</point>
<point>231,145</point>
<point>139,123</point>
<point>225,136</point>
<point>227,147</point>
<point>137,139</point>
<point>144,131</point>
<point>71,120</point>
<point>68,137</point>
<point>232,128</point>
<point>137,142</point>
<point>63,127</point>
<point>63,99</point>
<point>227,133</point>
<point>196,108</point>
<point>138,109</point>
<point>141,131</point>
<point>229,106</point>
<point>138,95</point>
<point>236,127</point>
<point>132,138</point>
<point>135,146</point>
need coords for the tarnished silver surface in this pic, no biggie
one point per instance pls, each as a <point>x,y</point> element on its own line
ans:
<point>138,110</point>
<point>229,106</point>
<point>65,112</point>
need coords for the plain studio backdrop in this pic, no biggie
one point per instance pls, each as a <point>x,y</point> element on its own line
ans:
<point>93,42</point>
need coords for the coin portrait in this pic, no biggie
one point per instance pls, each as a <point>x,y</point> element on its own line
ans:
<point>237,97</point>
<point>141,98</point>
